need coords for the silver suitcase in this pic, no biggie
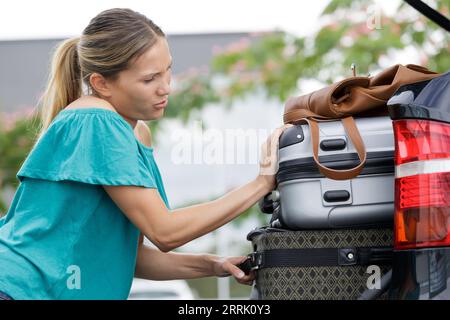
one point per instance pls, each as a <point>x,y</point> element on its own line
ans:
<point>309,200</point>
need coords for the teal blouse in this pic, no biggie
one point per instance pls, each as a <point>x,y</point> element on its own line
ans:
<point>63,237</point>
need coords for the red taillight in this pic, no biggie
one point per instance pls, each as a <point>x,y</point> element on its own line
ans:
<point>422,184</point>
<point>418,140</point>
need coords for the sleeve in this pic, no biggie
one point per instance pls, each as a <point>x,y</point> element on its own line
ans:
<point>97,148</point>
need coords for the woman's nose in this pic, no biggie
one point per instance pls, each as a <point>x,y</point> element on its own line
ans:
<point>164,89</point>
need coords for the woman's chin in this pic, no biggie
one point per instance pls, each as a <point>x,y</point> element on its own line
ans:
<point>155,115</point>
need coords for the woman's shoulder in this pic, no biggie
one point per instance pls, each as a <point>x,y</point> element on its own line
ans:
<point>143,133</point>
<point>90,114</point>
<point>92,145</point>
<point>85,102</point>
<point>89,125</point>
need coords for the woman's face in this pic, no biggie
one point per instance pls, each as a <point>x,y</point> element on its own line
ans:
<point>138,90</point>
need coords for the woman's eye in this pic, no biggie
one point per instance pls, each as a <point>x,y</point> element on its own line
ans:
<point>149,80</point>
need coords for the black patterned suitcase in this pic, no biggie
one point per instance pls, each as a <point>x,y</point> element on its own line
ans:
<point>342,264</point>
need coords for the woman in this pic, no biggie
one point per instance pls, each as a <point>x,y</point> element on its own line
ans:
<point>90,188</point>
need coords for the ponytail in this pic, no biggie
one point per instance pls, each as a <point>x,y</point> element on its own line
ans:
<point>64,83</point>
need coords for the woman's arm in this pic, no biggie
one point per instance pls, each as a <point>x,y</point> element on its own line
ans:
<point>153,264</point>
<point>169,230</point>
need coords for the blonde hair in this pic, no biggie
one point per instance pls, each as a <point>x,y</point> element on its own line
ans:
<point>107,45</point>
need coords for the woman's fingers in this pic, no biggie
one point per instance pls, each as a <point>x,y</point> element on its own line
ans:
<point>269,151</point>
<point>234,270</point>
<point>248,279</point>
<point>275,141</point>
<point>230,265</point>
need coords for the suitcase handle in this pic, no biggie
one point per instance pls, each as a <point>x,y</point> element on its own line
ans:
<point>268,203</point>
<point>246,266</point>
<point>254,261</point>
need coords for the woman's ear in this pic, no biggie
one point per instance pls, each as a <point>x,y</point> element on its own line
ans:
<point>100,85</point>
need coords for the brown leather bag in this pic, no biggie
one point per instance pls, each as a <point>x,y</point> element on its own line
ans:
<point>362,96</point>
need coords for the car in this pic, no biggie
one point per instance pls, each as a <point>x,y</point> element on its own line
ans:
<point>142,289</point>
<point>421,257</point>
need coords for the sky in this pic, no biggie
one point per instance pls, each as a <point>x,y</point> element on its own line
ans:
<point>20,19</point>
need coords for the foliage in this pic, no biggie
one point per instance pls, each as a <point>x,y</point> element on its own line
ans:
<point>17,136</point>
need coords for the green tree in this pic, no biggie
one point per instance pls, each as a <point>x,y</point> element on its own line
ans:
<point>17,136</point>
<point>353,31</point>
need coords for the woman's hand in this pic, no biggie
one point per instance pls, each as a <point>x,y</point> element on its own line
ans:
<point>269,157</point>
<point>224,267</point>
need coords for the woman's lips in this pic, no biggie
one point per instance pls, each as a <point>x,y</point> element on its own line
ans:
<point>162,104</point>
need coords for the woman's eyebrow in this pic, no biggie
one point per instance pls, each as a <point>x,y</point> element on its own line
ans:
<point>155,73</point>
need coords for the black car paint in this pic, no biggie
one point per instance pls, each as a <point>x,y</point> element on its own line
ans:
<point>421,274</point>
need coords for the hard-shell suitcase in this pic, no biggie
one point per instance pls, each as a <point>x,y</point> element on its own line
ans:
<point>309,200</point>
<point>334,264</point>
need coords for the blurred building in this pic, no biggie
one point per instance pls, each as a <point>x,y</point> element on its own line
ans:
<point>24,64</point>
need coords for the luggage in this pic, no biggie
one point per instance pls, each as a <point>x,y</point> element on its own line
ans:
<point>309,200</point>
<point>331,233</point>
<point>345,264</point>
<point>328,238</point>
<point>354,96</point>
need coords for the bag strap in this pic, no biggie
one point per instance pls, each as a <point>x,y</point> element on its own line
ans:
<point>355,137</point>
<point>430,13</point>
<point>311,118</point>
<point>317,257</point>
<point>352,132</point>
